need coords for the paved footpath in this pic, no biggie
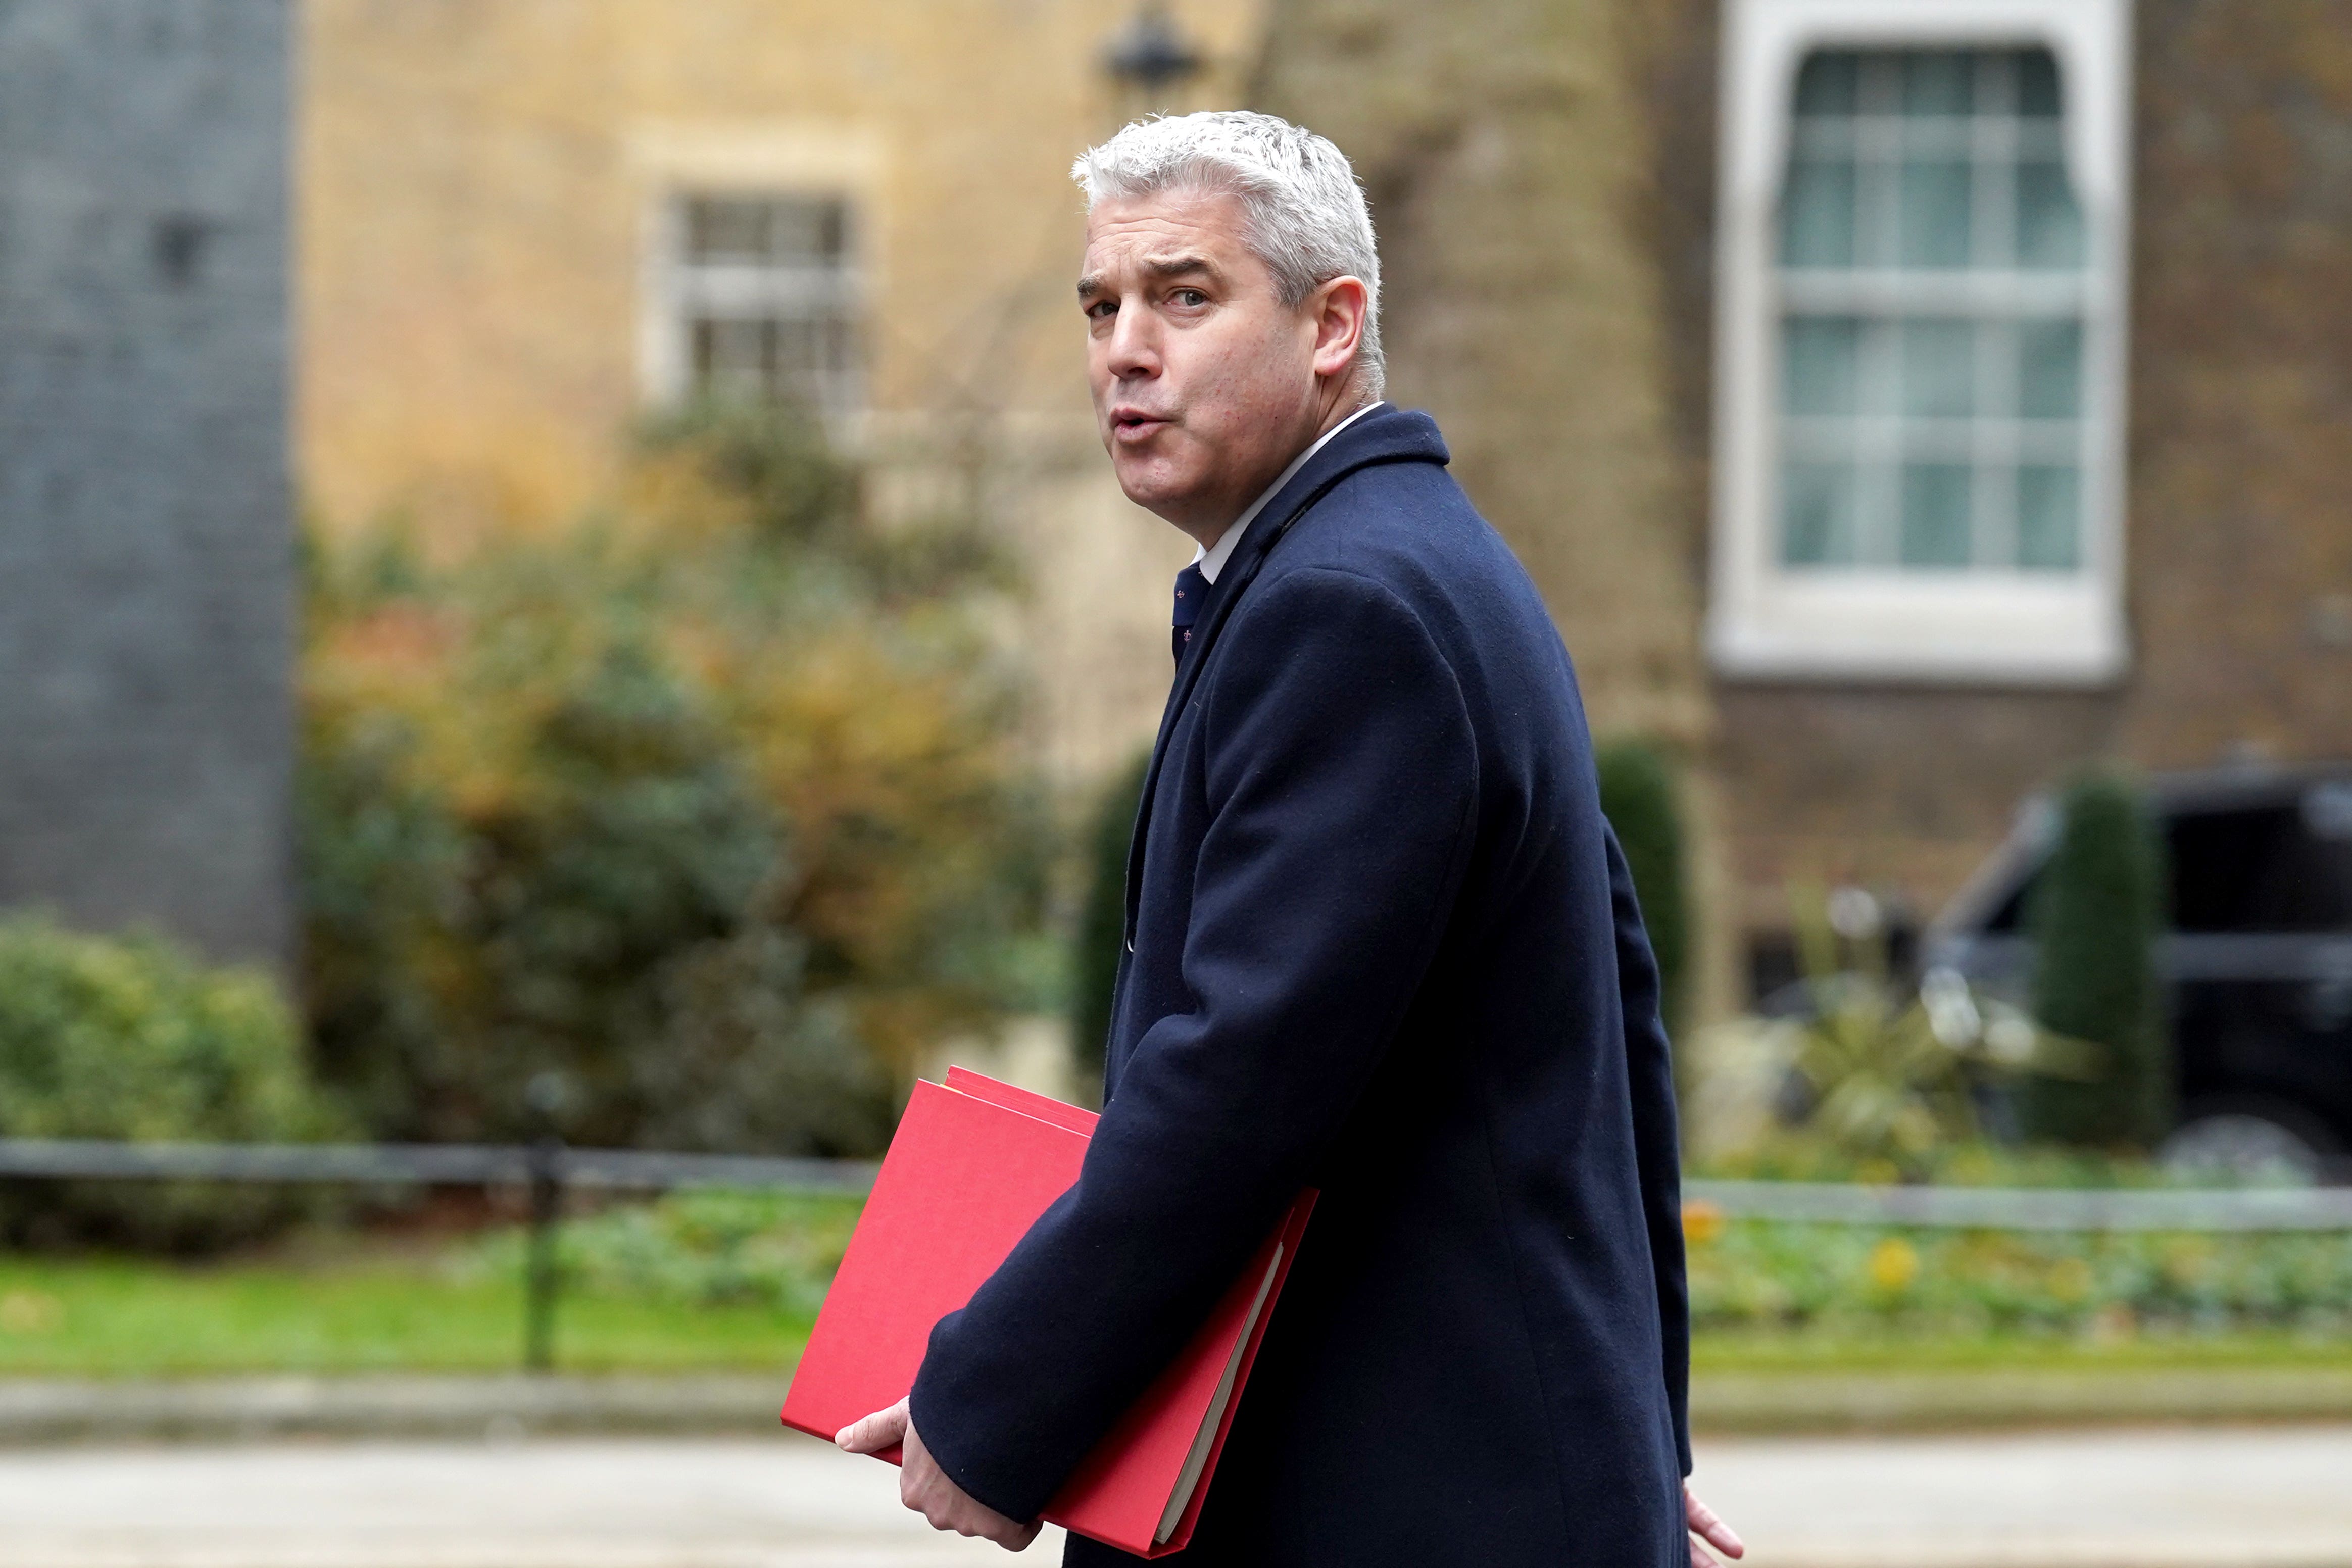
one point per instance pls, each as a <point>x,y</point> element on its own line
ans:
<point>2249,1497</point>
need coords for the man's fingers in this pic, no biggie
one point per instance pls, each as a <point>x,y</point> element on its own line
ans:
<point>927,1489</point>
<point>879,1430</point>
<point>966,1516</point>
<point>1702,1558</point>
<point>1704,1522</point>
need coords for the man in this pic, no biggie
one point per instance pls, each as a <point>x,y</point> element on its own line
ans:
<point>1380,942</point>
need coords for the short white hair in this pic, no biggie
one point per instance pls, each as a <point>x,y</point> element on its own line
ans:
<point>1306,217</point>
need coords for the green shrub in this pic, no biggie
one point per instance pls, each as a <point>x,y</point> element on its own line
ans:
<point>1851,1279</point>
<point>1798,1155</point>
<point>127,1038</point>
<point>1637,795</point>
<point>776,1250</point>
<point>1102,922</point>
<point>2096,912</point>
<point>716,805</point>
<point>1875,1071</point>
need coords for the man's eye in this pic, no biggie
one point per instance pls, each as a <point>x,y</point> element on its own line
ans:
<point>1101,309</point>
<point>1191,297</point>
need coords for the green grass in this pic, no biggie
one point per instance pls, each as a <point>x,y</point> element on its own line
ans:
<point>717,1281</point>
<point>128,1318</point>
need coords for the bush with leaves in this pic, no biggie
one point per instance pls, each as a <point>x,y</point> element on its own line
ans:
<point>2096,912</point>
<point>1889,1075</point>
<point>1637,795</point>
<point>1851,1280</point>
<point>1102,919</point>
<point>129,1038</point>
<point>777,1251</point>
<point>716,805</point>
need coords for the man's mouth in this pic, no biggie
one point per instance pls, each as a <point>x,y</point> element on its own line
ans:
<point>1135,425</point>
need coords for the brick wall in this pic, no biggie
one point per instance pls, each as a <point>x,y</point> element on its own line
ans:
<point>1544,183</point>
<point>145,553</point>
<point>2239,506</point>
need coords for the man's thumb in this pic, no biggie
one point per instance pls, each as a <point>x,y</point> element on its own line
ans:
<point>879,1430</point>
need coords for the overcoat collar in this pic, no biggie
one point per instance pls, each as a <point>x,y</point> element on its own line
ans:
<point>1386,435</point>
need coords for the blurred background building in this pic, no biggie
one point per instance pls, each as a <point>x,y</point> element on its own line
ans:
<point>1899,402</point>
<point>146,547</point>
<point>526,223</point>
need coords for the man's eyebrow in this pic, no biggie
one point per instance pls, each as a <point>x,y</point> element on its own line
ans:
<point>1164,267</point>
<point>1177,266</point>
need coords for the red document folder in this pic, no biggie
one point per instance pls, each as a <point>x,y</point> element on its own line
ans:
<point>975,1161</point>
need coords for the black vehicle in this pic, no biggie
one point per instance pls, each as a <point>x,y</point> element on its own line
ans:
<point>2257,965</point>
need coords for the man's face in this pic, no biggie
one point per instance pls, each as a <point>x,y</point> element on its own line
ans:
<point>1204,382</point>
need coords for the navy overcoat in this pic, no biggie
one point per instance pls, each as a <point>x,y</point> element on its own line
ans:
<point>1381,942</point>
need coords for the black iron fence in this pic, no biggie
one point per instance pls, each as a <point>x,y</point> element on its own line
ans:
<point>549,1169</point>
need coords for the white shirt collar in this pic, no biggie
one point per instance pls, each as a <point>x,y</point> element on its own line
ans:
<point>1213,559</point>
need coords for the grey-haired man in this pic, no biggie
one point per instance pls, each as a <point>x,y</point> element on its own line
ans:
<point>1381,942</point>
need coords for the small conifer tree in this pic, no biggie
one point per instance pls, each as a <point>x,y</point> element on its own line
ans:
<point>2094,911</point>
<point>1102,924</point>
<point>1637,795</point>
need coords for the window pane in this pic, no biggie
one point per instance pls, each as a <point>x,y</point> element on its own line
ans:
<point>1817,214</point>
<point>2049,224</point>
<point>2037,84</point>
<point>2048,532</point>
<point>1937,82</point>
<point>1940,440</point>
<point>1817,521</point>
<point>731,350</point>
<point>2050,370</point>
<point>718,229</point>
<point>1939,368</point>
<point>1819,363</point>
<point>1934,213</point>
<point>764,231</point>
<point>1826,86</point>
<point>1935,514</point>
<point>751,357</point>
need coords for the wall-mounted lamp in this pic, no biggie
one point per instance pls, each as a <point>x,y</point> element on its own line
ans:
<point>1150,55</point>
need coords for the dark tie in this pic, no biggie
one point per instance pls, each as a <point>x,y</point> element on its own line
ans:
<point>1191,589</point>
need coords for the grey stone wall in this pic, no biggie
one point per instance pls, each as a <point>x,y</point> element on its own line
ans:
<point>146,553</point>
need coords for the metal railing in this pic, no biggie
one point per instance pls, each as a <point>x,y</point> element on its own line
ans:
<point>547,1169</point>
<point>550,1168</point>
<point>425,1164</point>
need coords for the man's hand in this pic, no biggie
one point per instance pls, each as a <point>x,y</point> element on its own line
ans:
<point>924,1488</point>
<point>1704,1524</point>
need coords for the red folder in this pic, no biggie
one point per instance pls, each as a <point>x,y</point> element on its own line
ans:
<point>974,1162</point>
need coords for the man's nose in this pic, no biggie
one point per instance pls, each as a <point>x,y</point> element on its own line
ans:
<point>1134,344</point>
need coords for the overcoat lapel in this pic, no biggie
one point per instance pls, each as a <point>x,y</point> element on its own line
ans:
<point>1386,435</point>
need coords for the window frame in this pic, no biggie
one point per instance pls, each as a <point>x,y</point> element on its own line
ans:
<point>1981,626</point>
<point>684,291</point>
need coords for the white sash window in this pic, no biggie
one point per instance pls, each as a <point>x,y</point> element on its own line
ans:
<point>759,300</point>
<point>1919,359</point>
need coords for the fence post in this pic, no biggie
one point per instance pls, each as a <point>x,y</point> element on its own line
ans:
<point>540,1288</point>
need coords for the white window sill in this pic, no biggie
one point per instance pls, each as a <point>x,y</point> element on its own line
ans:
<point>1910,627</point>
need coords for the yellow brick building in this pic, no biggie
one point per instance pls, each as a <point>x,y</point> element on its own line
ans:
<point>522,223</point>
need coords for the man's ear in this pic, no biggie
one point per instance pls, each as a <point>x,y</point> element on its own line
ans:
<point>1339,309</point>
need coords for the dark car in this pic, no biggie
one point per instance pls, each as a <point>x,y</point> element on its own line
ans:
<point>2257,965</point>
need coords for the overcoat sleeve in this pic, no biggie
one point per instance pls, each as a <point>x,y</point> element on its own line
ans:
<point>1650,1075</point>
<point>1341,782</point>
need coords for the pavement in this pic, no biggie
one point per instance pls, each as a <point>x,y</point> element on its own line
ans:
<point>2276,1496</point>
<point>1777,1403</point>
